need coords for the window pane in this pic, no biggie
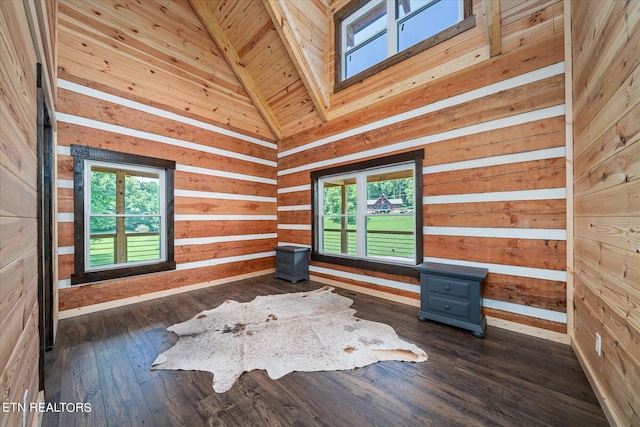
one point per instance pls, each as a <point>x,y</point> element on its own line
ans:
<point>339,235</point>
<point>103,192</point>
<point>142,224</point>
<point>390,221</point>
<point>339,197</point>
<point>366,25</point>
<point>406,7</point>
<point>142,193</point>
<point>143,247</point>
<point>429,21</point>
<point>102,241</point>
<point>366,56</point>
<point>391,236</point>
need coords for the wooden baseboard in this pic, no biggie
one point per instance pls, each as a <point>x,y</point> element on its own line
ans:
<point>605,404</point>
<point>146,297</point>
<point>491,321</point>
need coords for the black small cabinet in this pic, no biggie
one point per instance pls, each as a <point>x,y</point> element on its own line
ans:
<point>452,294</point>
<point>292,263</point>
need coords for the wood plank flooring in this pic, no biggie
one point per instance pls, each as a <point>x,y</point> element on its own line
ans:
<point>506,379</point>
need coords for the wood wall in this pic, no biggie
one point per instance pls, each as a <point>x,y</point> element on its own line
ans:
<point>606,69</point>
<point>148,80</point>
<point>20,50</point>
<point>493,131</point>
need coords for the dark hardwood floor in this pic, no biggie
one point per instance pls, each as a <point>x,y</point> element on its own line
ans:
<point>506,379</point>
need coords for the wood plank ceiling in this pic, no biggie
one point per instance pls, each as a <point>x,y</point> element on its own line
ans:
<point>279,53</point>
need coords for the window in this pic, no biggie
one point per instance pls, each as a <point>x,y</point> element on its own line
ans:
<point>369,214</point>
<point>373,35</point>
<point>123,214</point>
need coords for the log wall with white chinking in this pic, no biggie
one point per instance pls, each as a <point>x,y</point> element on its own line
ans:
<point>127,83</point>
<point>24,43</point>
<point>606,100</point>
<point>493,131</point>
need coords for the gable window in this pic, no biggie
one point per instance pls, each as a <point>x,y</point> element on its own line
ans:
<point>369,214</point>
<point>123,214</point>
<point>375,34</point>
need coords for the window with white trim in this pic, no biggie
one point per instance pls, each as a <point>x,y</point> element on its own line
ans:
<point>369,214</point>
<point>373,33</point>
<point>123,214</point>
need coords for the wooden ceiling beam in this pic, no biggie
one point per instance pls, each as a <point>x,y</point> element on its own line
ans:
<point>285,29</point>
<point>218,36</point>
<point>492,26</point>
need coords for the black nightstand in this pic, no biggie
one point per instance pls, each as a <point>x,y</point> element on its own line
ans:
<point>452,294</point>
<point>292,263</point>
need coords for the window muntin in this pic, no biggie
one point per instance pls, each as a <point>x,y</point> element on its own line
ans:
<point>125,217</point>
<point>374,35</point>
<point>358,219</point>
<point>123,214</point>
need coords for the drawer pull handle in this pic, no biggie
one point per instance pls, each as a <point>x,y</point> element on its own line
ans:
<point>447,307</point>
<point>447,288</point>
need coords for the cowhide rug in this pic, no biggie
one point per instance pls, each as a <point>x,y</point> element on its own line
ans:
<point>304,331</point>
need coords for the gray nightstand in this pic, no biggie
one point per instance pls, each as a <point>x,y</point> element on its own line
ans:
<point>452,294</point>
<point>292,263</point>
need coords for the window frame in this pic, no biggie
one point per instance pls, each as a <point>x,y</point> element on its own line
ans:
<point>370,263</point>
<point>393,56</point>
<point>86,156</point>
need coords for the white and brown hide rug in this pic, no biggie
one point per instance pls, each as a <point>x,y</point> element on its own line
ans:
<point>304,331</point>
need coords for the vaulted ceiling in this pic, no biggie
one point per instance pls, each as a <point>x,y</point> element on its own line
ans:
<point>279,52</point>
<point>260,67</point>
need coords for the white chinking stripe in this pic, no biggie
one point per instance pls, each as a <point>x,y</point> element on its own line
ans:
<point>225,174</point>
<point>497,196</point>
<point>305,227</point>
<point>305,187</point>
<point>65,183</point>
<point>93,93</point>
<point>225,196</point>
<point>227,260</point>
<point>223,239</point>
<point>510,270</point>
<point>368,279</point>
<point>65,216</point>
<point>68,217</point>
<point>64,283</point>
<point>294,208</point>
<point>66,250</point>
<point>506,159</point>
<point>193,169</point>
<point>530,77</point>
<point>518,119</point>
<point>174,142</point>
<point>68,183</point>
<point>505,233</point>
<point>196,217</point>
<point>525,310</point>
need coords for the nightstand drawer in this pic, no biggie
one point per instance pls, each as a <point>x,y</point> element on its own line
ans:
<point>449,307</point>
<point>285,257</point>
<point>284,267</point>
<point>448,286</point>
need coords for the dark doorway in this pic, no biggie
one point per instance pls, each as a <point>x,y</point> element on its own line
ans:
<point>45,225</point>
